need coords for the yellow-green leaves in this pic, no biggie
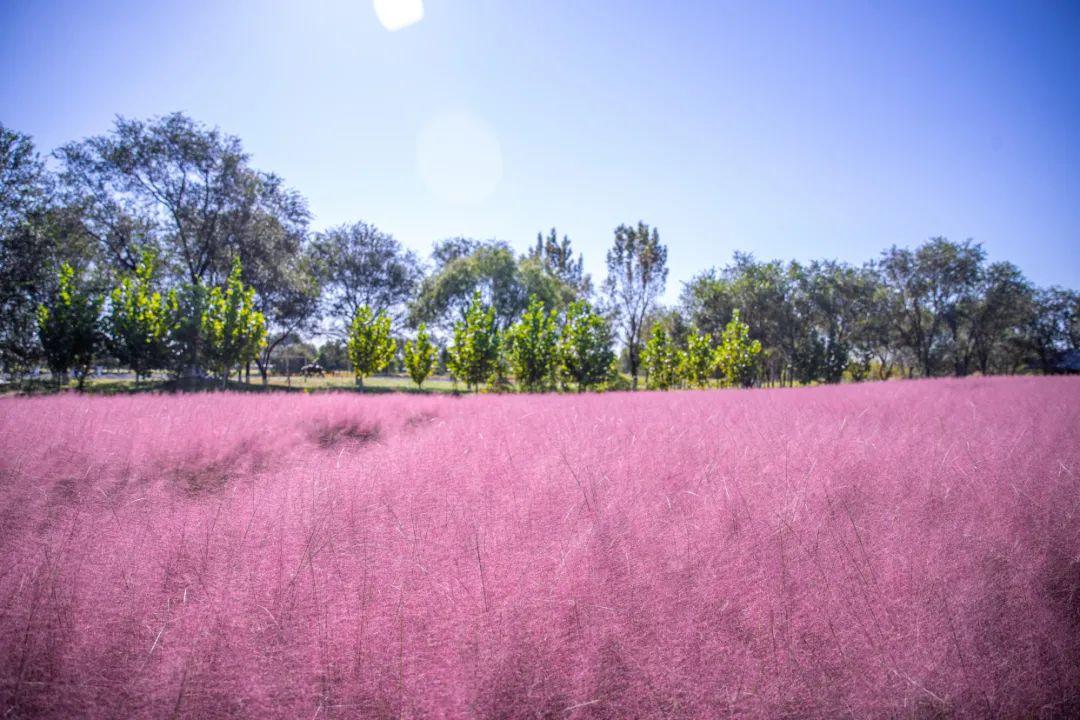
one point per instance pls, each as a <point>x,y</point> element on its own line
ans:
<point>474,353</point>
<point>531,346</point>
<point>371,348</point>
<point>738,354</point>
<point>699,360</point>
<point>138,320</point>
<point>420,356</point>
<point>661,360</point>
<point>68,325</point>
<point>232,330</point>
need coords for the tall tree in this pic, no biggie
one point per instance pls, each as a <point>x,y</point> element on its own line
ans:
<point>637,274</point>
<point>557,257</point>
<point>999,315</point>
<point>464,268</point>
<point>289,296</point>
<point>1054,325</point>
<point>933,286</point>
<point>362,265</point>
<point>23,194</point>
<point>174,183</point>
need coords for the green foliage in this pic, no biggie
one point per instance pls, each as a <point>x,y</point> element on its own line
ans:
<point>186,306</point>
<point>420,356</point>
<point>137,323</point>
<point>615,380</point>
<point>531,346</point>
<point>585,354</point>
<point>557,257</point>
<point>474,353</point>
<point>361,265</point>
<point>232,330</point>
<point>371,348</point>
<point>508,282</point>
<point>68,326</point>
<point>25,249</point>
<point>465,268</point>
<point>738,354</point>
<point>699,360</point>
<point>333,356</point>
<point>661,360</point>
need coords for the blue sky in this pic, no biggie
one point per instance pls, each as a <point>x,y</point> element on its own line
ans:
<point>791,130</point>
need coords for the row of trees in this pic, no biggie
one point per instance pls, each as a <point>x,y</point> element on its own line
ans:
<point>186,195</point>
<point>938,309</point>
<point>542,350</point>
<point>143,329</point>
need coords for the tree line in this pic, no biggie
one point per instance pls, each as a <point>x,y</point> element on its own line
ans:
<point>159,246</point>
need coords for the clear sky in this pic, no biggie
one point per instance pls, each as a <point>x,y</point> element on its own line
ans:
<point>791,130</point>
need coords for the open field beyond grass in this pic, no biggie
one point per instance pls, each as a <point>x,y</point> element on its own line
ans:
<point>901,549</point>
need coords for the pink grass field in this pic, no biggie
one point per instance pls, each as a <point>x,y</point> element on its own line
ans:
<point>906,549</point>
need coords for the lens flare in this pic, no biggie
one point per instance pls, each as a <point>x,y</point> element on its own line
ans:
<point>398,14</point>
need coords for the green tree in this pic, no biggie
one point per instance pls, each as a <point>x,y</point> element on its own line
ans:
<point>699,360</point>
<point>189,190</point>
<point>361,265</point>
<point>557,257</point>
<point>464,268</point>
<point>585,353</point>
<point>25,250</point>
<point>333,356</point>
<point>186,186</point>
<point>474,353</point>
<point>420,356</point>
<point>68,326</point>
<point>232,330</point>
<point>371,348</point>
<point>661,360</point>
<point>186,347</point>
<point>531,346</point>
<point>738,354</point>
<point>137,323</point>
<point>637,273</point>
<point>505,281</point>
<point>934,289</point>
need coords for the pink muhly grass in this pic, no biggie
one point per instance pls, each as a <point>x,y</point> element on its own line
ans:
<point>890,550</point>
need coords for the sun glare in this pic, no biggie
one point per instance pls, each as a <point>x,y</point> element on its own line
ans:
<point>398,14</point>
